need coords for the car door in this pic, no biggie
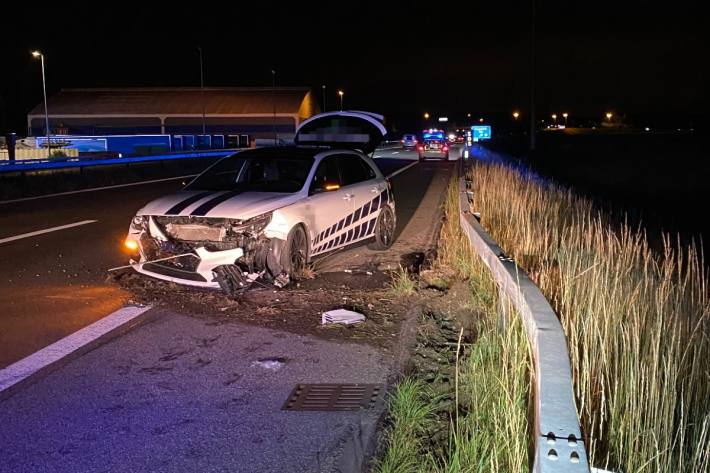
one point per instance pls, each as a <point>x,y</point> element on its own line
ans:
<point>365,190</point>
<point>329,206</point>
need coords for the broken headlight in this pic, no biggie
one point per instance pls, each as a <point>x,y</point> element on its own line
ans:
<point>139,223</point>
<point>254,225</point>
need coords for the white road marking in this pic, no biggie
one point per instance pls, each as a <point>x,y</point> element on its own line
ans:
<point>395,152</point>
<point>28,366</point>
<point>59,194</point>
<point>46,230</point>
<point>401,170</point>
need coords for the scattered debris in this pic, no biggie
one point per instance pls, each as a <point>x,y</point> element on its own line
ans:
<point>282,280</point>
<point>342,316</point>
<point>273,364</point>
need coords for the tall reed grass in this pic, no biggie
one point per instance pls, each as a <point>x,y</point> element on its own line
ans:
<point>637,320</point>
<point>488,429</point>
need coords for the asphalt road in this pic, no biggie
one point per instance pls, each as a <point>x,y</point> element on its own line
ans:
<point>181,393</point>
<point>53,284</point>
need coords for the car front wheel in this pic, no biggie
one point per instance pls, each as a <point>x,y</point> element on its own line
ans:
<point>384,229</point>
<point>295,254</point>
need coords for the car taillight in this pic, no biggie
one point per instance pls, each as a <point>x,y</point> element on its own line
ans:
<point>421,148</point>
<point>446,148</point>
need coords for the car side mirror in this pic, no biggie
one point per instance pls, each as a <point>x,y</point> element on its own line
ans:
<point>327,186</point>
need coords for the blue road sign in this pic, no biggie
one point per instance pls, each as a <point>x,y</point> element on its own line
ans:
<point>481,132</point>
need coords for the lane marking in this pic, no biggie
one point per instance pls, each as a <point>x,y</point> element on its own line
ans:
<point>32,364</point>
<point>401,170</point>
<point>46,230</point>
<point>93,189</point>
<point>395,152</point>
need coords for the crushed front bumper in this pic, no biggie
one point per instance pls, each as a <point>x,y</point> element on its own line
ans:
<point>202,276</point>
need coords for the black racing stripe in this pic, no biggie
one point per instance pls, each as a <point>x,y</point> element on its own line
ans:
<point>357,232</point>
<point>348,220</point>
<point>340,224</point>
<point>365,210</point>
<point>350,235</point>
<point>212,203</point>
<point>375,204</point>
<point>180,206</point>
<point>356,215</point>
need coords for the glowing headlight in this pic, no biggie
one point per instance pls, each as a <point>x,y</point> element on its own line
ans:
<point>253,225</point>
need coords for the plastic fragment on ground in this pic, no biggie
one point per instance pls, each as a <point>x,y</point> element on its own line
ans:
<point>341,316</point>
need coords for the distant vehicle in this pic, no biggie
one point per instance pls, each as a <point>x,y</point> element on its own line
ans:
<point>264,213</point>
<point>433,145</point>
<point>409,141</point>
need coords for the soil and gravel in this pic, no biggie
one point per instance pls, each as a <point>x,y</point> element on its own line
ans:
<point>296,308</point>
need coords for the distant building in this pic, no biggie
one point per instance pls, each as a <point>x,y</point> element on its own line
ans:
<point>257,112</point>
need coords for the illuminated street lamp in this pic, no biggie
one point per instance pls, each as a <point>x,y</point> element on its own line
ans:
<point>426,115</point>
<point>516,114</point>
<point>609,115</point>
<point>480,120</point>
<point>341,93</point>
<point>565,115</point>
<point>38,54</point>
<point>554,118</point>
<point>468,115</point>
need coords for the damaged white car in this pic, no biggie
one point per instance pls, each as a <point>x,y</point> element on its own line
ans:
<point>265,213</point>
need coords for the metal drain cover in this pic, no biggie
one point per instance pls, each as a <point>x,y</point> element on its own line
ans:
<point>333,397</point>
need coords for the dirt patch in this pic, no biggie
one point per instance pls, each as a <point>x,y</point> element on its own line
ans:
<point>297,308</point>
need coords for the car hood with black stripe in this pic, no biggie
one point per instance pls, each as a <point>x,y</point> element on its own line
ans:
<point>223,204</point>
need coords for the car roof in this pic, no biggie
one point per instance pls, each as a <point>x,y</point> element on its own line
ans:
<point>290,151</point>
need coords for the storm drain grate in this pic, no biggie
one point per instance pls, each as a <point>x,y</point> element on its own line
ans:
<point>333,397</point>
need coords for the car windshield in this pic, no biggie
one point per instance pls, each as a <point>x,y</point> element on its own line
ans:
<point>257,173</point>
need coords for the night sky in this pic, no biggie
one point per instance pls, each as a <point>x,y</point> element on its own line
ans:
<point>400,60</point>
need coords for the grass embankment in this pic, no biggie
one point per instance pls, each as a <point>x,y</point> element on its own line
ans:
<point>487,426</point>
<point>637,321</point>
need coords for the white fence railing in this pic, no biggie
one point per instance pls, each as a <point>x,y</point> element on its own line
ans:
<point>559,446</point>
<point>37,153</point>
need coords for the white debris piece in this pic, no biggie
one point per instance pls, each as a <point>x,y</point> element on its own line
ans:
<point>270,364</point>
<point>341,316</point>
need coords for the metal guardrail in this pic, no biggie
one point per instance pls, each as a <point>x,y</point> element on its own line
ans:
<point>41,164</point>
<point>559,446</point>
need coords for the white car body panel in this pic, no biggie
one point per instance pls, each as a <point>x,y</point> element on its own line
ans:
<point>332,219</point>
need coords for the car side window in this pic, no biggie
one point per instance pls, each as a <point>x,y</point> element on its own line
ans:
<point>327,173</point>
<point>354,169</point>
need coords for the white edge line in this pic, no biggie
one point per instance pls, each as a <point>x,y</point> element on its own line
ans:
<point>59,194</point>
<point>46,230</point>
<point>33,363</point>
<point>401,170</point>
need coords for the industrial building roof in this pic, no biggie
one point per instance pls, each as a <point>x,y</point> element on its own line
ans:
<point>175,101</point>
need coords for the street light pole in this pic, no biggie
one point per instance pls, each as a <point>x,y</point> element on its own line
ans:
<point>202,91</point>
<point>325,108</point>
<point>44,91</point>
<point>341,93</point>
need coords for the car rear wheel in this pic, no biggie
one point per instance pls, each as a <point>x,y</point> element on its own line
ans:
<point>295,254</point>
<point>384,229</point>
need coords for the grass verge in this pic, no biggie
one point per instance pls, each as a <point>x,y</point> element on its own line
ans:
<point>483,425</point>
<point>637,320</point>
